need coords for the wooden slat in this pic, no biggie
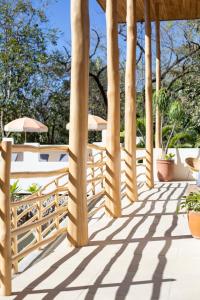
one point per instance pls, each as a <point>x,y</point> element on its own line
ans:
<point>38,198</point>
<point>44,220</point>
<point>39,149</point>
<point>19,175</point>
<point>38,245</point>
<point>169,9</point>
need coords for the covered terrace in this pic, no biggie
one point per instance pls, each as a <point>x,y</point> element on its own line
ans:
<point>135,244</point>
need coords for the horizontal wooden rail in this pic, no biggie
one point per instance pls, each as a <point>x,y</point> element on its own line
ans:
<point>39,149</point>
<point>137,158</point>
<point>24,236</point>
<point>94,197</point>
<point>97,178</point>
<point>25,228</point>
<point>19,175</point>
<point>96,147</point>
<point>95,210</point>
<point>25,211</point>
<point>38,198</point>
<point>39,244</point>
<point>96,165</point>
<point>46,230</point>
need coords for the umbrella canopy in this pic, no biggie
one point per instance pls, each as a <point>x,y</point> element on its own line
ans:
<point>25,125</point>
<point>94,123</point>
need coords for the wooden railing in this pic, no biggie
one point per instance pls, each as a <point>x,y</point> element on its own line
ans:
<point>36,219</point>
<point>95,178</point>
<point>33,221</point>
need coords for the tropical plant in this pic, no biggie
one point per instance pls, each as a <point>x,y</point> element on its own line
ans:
<point>190,203</point>
<point>14,190</point>
<point>173,111</point>
<point>33,188</point>
<point>169,156</point>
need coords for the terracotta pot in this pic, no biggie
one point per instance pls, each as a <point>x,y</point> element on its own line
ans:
<point>165,169</point>
<point>194,223</point>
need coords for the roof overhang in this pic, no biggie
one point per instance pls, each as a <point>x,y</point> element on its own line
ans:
<point>170,10</point>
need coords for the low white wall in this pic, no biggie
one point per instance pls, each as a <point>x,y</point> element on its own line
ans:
<point>31,163</point>
<point>181,171</point>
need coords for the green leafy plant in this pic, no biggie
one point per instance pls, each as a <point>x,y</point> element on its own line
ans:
<point>190,203</point>
<point>15,189</point>
<point>33,188</point>
<point>169,156</point>
<point>174,112</point>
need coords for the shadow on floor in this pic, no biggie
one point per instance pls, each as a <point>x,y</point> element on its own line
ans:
<point>163,193</point>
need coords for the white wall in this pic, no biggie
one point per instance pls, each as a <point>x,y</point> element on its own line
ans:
<point>181,171</point>
<point>31,163</point>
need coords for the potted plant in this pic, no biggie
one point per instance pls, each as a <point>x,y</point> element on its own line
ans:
<point>165,167</point>
<point>191,204</point>
<point>173,112</point>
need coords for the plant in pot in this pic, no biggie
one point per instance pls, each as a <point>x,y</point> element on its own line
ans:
<point>191,204</point>
<point>173,113</point>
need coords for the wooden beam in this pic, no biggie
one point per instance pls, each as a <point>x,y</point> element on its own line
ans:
<point>5,226</point>
<point>148,97</point>
<point>130,103</point>
<point>158,135</point>
<point>77,206</point>
<point>113,173</point>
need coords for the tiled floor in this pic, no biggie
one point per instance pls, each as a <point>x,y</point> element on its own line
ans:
<point>146,254</point>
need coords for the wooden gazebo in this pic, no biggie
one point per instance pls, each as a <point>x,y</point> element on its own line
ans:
<point>129,11</point>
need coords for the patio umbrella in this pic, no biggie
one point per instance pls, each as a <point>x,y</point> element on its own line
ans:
<point>25,125</point>
<point>94,123</point>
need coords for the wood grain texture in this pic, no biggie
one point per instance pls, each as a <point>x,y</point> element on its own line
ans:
<point>148,97</point>
<point>158,135</point>
<point>169,10</point>
<point>130,103</point>
<point>5,224</point>
<point>112,181</point>
<point>78,219</point>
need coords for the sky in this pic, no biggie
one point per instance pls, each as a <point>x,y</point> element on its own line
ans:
<point>58,13</point>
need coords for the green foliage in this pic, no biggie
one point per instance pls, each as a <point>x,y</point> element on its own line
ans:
<point>182,138</point>
<point>190,203</point>
<point>161,99</point>
<point>169,156</point>
<point>15,190</point>
<point>33,80</point>
<point>33,188</point>
<point>176,111</point>
<point>166,130</point>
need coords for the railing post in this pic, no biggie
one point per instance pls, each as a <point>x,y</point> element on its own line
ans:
<point>130,103</point>
<point>77,205</point>
<point>148,97</point>
<point>158,135</point>
<point>14,240</point>
<point>5,227</point>
<point>113,160</point>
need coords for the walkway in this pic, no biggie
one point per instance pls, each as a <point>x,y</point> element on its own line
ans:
<point>147,254</point>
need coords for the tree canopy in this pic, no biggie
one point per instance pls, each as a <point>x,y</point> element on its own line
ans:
<point>35,74</point>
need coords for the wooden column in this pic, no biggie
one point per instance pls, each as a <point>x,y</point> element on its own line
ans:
<point>130,103</point>
<point>77,205</point>
<point>148,97</point>
<point>5,227</point>
<point>158,135</point>
<point>113,172</point>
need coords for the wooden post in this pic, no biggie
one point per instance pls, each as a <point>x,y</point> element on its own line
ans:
<point>15,240</point>
<point>77,205</point>
<point>158,135</point>
<point>148,97</point>
<point>113,173</point>
<point>5,223</point>
<point>130,103</point>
